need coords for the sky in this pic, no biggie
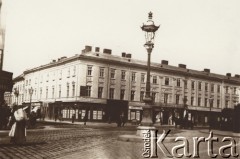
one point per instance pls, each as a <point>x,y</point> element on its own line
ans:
<point>200,33</point>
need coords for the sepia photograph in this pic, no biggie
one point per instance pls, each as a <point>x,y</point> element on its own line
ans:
<point>88,79</point>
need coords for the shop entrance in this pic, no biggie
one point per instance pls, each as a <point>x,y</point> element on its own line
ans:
<point>115,108</point>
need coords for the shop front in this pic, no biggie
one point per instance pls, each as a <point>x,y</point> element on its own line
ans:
<point>66,110</point>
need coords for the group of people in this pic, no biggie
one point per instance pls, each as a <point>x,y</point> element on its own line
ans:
<point>17,119</point>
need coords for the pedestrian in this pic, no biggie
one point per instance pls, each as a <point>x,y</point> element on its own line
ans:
<point>122,120</point>
<point>18,122</point>
<point>85,118</point>
<point>73,117</point>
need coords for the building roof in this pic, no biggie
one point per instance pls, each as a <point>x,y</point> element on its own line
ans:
<point>128,61</point>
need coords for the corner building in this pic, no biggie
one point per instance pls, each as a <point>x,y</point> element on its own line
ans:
<point>103,86</point>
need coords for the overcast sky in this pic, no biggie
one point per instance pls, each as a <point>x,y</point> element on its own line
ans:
<point>200,33</point>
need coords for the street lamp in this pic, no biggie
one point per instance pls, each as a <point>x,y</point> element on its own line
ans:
<point>149,28</point>
<point>30,90</point>
<point>16,93</point>
<point>210,109</point>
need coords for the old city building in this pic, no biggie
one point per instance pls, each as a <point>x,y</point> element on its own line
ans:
<point>104,85</point>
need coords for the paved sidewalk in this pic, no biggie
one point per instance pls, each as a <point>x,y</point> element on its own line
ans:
<point>222,133</point>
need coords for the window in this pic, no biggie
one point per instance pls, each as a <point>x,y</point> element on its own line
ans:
<point>68,74</point>
<point>212,87</point>
<point>226,90</point>
<point>154,79</point>
<point>132,95</point>
<point>199,101</point>
<point>26,82</point>
<point>193,85</point>
<point>218,103</point>
<point>111,93</point>
<point>100,91</point>
<point>177,98</point>
<point>206,101</point>
<point>101,72</point>
<point>88,91</point>
<point>142,78</point>
<point>227,103</point>
<point>35,92</point>
<point>40,93</point>
<point>133,76</point>
<point>59,91</point>
<point>46,92</point>
<point>199,86</point>
<point>185,83</point>
<point>234,90</point>
<point>122,94</point>
<point>211,103</point>
<point>154,97</point>
<point>166,81</point>
<point>165,98</point>
<point>206,87</point>
<point>192,100</point>
<point>112,73</point>
<point>123,75</point>
<point>141,95</point>
<point>178,82</point>
<point>73,89</point>
<point>67,89</point>
<point>74,70</point>
<point>52,91</point>
<point>218,88</point>
<point>89,70</point>
<point>29,81</point>
<point>97,114</point>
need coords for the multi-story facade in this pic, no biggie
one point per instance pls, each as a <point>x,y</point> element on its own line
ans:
<point>104,85</point>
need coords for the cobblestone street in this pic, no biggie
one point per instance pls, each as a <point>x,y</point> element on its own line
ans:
<point>78,141</point>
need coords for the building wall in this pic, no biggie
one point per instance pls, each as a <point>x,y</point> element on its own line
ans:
<point>47,80</point>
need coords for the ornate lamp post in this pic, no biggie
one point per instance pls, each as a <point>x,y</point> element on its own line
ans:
<point>30,90</point>
<point>149,28</point>
<point>16,93</point>
<point>210,109</point>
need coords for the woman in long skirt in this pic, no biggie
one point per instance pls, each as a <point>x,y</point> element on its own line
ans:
<point>18,130</point>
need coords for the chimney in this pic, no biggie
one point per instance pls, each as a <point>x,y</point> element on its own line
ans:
<point>129,56</point>
<point>228,74</point>
<point>97,49</point>
<point>206,70</point>
<point>88,48</point>
<point>107,51</point>
<point>53,60</point>
<point>123,54</point>
<point>165,62</point>
<point>182,66</point>
<point>237,76</point>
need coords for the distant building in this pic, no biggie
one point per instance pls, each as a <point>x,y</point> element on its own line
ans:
<point>8,98</point>
<point>104,85</point>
